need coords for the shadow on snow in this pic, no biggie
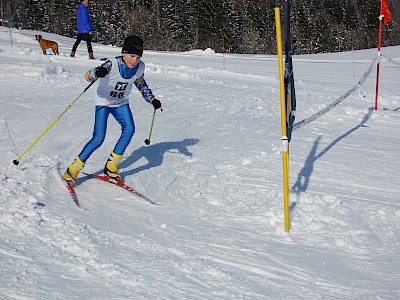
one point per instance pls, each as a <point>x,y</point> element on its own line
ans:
<point>303,178</point>
<point>154,154</point>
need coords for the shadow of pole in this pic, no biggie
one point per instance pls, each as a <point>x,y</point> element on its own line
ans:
<point>303,178</point>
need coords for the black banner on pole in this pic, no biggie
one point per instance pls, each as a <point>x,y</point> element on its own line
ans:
<point>290,95</point>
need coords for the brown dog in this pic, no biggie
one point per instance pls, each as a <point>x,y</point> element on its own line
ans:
<point>45,44</point>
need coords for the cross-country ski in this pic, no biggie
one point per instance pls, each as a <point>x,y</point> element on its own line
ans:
<point>122,185</point>
<point>71,191</point>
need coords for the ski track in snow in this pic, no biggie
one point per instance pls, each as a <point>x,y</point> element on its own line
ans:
<point>213,165</point>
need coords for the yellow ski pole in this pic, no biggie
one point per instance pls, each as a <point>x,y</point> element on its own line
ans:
<point>16,161</point>
<point>147,141</point>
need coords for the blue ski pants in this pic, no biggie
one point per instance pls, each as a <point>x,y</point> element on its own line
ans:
<point>123,115</point>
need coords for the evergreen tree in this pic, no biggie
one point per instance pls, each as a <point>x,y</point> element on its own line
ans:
<point>247,26</point>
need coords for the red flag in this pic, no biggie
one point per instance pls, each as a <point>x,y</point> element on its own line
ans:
<point>385,9</point>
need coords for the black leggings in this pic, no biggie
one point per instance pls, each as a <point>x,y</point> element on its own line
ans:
<point>87,38</point>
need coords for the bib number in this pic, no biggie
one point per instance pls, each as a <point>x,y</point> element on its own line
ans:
<point>119,89</point>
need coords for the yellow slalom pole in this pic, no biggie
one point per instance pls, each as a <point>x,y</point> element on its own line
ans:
<point>285,143</point>
<point>16,161</point>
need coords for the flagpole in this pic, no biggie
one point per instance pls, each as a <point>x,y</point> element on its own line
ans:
<point>379,54</point>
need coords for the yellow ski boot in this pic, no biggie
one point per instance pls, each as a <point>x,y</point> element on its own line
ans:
<point>73,170</point>
<point>111,167</point>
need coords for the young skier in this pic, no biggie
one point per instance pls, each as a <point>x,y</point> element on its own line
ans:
<point>117,75</point>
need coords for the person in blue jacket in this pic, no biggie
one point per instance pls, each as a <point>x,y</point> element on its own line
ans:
<point>117,77</point>
<point>85,28</point>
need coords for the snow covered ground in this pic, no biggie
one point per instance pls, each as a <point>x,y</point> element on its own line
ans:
<point>214,165</point>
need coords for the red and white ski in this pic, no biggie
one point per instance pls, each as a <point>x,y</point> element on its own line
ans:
<point>122,185</point>
<point>71,191</point>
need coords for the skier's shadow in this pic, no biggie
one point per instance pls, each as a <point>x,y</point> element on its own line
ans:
<point>154,154</point>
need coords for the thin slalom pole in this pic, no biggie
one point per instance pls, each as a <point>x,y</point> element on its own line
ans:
<point>379,53</point>
<point>284,141</point>
<point>16,161</point>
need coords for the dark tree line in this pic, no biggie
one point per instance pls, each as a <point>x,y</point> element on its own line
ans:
<point>247,26</point>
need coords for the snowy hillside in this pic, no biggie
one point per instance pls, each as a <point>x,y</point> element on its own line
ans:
<point>214,166</point>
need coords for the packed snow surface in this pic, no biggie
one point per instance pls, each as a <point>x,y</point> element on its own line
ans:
<point>214,167</point>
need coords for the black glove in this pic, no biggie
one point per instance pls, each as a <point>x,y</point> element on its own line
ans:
<point>156,103</point>
<point>101,72</point>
